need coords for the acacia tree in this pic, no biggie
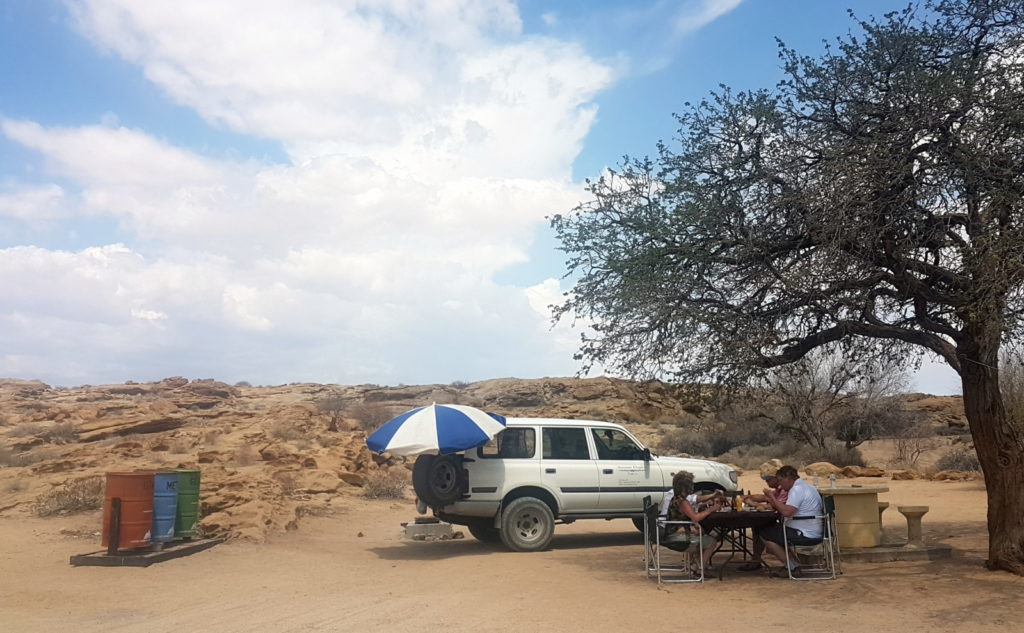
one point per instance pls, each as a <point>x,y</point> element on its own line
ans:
<point>872,200</point>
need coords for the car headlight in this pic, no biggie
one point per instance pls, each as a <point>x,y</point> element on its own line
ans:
<point>732,476</point>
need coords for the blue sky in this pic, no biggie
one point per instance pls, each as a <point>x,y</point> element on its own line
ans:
<point>294,191</point>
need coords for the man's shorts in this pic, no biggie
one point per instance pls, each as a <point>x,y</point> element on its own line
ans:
<point>773,533</point>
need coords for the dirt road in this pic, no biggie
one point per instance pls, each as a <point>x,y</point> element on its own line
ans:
<point>354,572</point>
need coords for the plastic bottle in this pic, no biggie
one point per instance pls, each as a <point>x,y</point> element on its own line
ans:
<point>832,481</point>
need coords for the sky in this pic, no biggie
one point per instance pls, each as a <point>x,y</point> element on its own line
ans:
<point>334,191</point>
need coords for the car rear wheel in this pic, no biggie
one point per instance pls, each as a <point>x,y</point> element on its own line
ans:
<point>527,525</point>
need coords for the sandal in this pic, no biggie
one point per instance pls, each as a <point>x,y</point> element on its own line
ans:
<point>753,565</point>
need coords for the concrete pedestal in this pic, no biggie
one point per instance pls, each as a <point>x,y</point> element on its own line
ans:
<point>915,539</point>
<point>882,505</point>
<point>857,515</point>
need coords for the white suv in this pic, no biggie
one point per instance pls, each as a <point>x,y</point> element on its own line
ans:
<point>540,471</point>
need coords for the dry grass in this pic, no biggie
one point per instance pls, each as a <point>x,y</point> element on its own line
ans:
<point>74,496</point>
<point>9,458</point>
<point>63,433</point>
<point>288,481</point>
<point>370,415</point>
<point>959,459</point>
<point>26,429</point>
<point>285,431</point>
<point>245,456</point>
<point>384,485</point>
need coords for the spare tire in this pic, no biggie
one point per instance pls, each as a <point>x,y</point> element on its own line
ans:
<point>439,480</point>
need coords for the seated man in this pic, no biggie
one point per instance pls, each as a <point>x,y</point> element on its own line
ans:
<point>802,500</point>
<point>761,501</point>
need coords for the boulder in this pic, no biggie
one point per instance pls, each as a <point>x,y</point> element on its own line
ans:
<point>276,451</point>
<point>214,457</point>
<point>951,475</point>
<point>905,475</point>
<point>317,481</point>
<point>353,479</point>
<point>862,471</point>
<point>822,469</point>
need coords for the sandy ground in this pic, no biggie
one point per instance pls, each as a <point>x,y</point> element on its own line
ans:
<point>355,572</point>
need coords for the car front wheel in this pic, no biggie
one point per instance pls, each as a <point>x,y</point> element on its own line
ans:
<point>484,531</point>
<point>527,525</point>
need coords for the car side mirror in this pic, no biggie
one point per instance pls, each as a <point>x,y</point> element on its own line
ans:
<point>647,454</point>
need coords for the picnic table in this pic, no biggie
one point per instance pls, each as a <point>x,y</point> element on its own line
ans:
<point>732,526</point>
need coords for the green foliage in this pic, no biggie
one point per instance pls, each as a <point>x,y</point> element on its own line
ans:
<point>871,199</point>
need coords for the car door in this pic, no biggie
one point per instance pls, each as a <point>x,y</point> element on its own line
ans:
<point>567,466</point>
<point>625,476</point>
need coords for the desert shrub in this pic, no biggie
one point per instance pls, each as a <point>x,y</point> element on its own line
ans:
<point>752,456</point>
<point>459,384</point>
<point>334,406</point>
<point>243,383</point>
<point>73,496</point>
<point>688,441</point>
<point>63,433</point>
<point>288,481</point>
<point>912,444</point>
<point>370,415</point>
<point>285,431</point>
<point>25,429</point>
<point>959,459</point>
<point>10,458</point>
<point>385,485</point>
<point>835,453</point>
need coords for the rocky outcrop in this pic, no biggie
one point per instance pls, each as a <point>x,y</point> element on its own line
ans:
<point>270,455</point>
<point>862,471</point>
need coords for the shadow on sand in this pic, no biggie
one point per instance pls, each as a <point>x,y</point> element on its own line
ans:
<point>437,550</point>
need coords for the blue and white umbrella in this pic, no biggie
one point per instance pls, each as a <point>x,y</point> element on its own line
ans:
<point>438,429</point>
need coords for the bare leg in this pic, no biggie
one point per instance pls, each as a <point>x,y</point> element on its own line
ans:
<point>776,550</point>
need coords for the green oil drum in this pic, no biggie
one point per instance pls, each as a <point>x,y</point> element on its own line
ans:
<point>187,514</point>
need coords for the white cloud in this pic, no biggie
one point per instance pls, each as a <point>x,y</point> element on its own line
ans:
<point>35,205</point>
<point>694,14</point>
<point>427,141</point>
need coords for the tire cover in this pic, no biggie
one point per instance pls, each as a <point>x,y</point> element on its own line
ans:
<point>439,480</point>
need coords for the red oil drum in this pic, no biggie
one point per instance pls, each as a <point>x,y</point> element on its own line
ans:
<point>135,490</point>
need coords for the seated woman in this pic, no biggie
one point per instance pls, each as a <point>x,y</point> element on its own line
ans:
<point>681,507</point>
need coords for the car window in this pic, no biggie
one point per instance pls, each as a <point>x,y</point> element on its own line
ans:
<point>565,443</point>
<point>614,444</point>
<point>512,443</point>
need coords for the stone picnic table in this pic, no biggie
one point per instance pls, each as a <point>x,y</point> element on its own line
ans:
<point>857,517</point>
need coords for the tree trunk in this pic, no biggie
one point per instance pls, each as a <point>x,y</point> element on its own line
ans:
<point>1001,453</point>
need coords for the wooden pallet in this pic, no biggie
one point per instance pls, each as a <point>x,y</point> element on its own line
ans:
<point>145,558</point>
